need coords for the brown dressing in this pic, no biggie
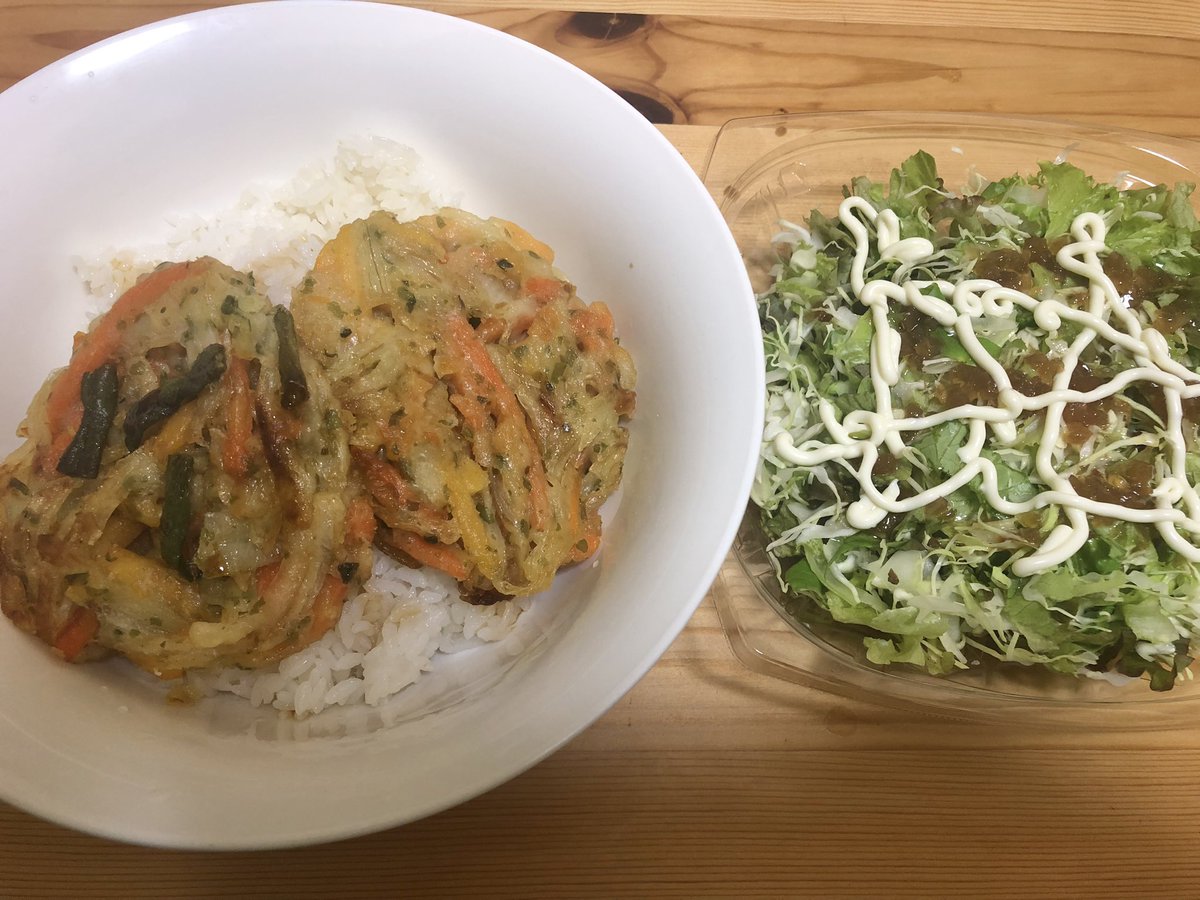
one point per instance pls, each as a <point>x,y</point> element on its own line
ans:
<point>1007,267</point>
<point>965,384</point>
<point>1137,285</point>
<point>1080,418</point>
<point>922,338</point>
<point>886,465</point>
<point>1182,314</point>
<point>1044,253</point>
<point>920,335</point>
<point>1040,376</point>
<point>1153,396</point>
<point>1128,484</point>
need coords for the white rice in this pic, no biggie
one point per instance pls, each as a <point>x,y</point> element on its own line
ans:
<point>389,634</point>
<point>276,230</point>
<point>386,638</point>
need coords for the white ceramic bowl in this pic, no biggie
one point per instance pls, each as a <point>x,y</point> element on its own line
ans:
<point>181,115</point>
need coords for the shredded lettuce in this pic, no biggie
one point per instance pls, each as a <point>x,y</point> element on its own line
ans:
<point>934,588</point>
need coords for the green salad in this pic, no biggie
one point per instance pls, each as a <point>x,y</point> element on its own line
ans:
<point>982,409</point>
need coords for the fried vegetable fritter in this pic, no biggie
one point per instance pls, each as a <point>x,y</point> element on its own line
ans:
<point>486,399</point>
<point>179,499</point>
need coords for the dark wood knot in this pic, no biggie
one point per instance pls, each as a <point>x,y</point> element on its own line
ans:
<point>605,26</point>
<point>654,110</point>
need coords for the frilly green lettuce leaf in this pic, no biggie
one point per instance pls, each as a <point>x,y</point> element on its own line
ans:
<point>934,588</point>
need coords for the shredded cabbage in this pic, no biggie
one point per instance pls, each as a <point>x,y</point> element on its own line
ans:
<point>935,588</point>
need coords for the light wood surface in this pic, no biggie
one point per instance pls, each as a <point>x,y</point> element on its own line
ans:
<point>708,780</point>
<point>1131,64</point>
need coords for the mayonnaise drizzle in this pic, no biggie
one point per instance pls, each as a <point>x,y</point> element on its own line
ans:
<point>861,433</point>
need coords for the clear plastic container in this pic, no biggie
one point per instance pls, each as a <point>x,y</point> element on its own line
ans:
<point>769,168</point>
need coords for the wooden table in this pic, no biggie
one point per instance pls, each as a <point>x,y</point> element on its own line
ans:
<point>707,780</point>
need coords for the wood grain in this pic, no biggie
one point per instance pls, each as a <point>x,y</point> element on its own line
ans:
<point>852,824</point>
<point>1120,17</point>
<point>1146,17</point>
<point>707,780</point>
<point>707,70</point>
<point>1133,65</point>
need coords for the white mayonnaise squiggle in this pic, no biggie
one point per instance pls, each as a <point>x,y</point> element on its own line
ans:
<point>861,433</point>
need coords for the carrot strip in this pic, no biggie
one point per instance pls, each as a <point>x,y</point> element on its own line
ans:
<point>472,411</point>
<point>326,608</point>
<point>602,316</point>
<point>274,602</point>
<point>542,290</point>
<point>265,575</point>
<point>176,432</point>
<point>593,326</point>
<point>239,419</point>
<point>589,540</point>
<point>440,556</point>
<point>389,491</point>
<point>490,330</point>
<point>77,632</point>
<point>585,533</point>
<point>574,494</point>
<point>384,483</point>
<point>360,521</point>
<point>64,410</point>
<point>462,337</point>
